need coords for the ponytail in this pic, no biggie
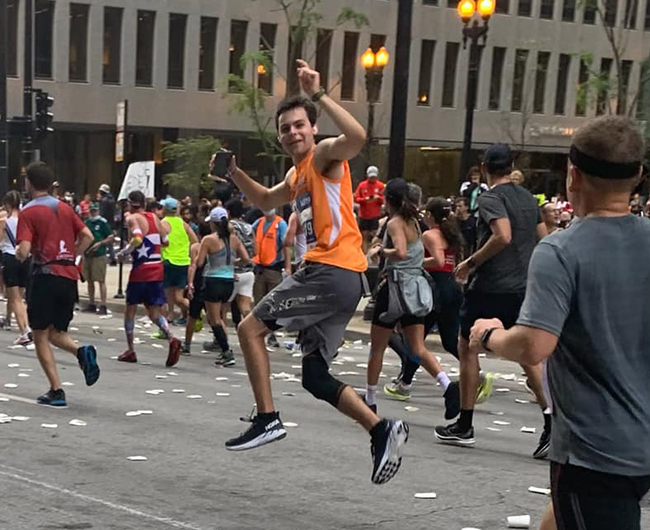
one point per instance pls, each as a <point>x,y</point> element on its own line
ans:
<point>440,210</point>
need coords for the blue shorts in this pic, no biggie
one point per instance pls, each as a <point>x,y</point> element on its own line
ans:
<point>147,293</point>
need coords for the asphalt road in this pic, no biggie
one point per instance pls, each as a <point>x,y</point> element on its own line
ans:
<point>79,477</point>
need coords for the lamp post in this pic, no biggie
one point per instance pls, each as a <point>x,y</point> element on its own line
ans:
<point>374,63</point>
<point>477,35</point>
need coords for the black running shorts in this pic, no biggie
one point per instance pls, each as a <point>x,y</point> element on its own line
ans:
<point>51,302</point>
<point>14,273</point>
<point>477,305</point>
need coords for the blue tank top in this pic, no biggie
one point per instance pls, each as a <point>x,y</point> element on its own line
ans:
<point>220,265</point>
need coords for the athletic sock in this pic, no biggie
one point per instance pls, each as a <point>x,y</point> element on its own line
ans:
<point>268,416</point>
<point>221,337</point>
<point>163,325</point>
<point>466,419</point>
<point>371,390</point>
<point>443,379</point>
<point>547,419</point>
<point>129,326</point>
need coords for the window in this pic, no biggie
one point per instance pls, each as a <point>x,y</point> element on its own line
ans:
<point>502,6</point>
<point>12,37</point>
<point>112,57</point>
<point>569,10</point>
<point>323,52</point>
<point>426,68</point>
<point>589,14</point>
<point>176,50</point>
<point>540,81</point>
<point>78,56</point>
<point>611,6</point>
<point>452,3</point>
<point>449,81</point>
<point>238,30</point>
<point>583,89</point>
<point>562,80</point>
<point>430,2</point>
<point>524,8</point>
<point>602,101</point>
<point>377,41</point>
<point>207,52</point>
<point>498,58</point>
<point>631,7</point>
<point>521,57</point>
<point>546,9</point>
<point>144,48</point>
<point>43,33</point>
<point>626,70</point>
<point>350,52</point>
<point>641,110</point>
<point>646,19</point>
<point>296,43</point>
<point>267,45</point>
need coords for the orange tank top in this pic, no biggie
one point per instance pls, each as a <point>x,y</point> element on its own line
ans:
<point>326,213</point>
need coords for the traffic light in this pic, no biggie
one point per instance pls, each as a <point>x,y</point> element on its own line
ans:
<point>44,118</point>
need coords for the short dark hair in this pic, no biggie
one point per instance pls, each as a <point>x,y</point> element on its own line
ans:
<point>136,198</point>
<point>235,208</point>
<point>296,102</point>
<point>464,200</point>
<point>40,175</point>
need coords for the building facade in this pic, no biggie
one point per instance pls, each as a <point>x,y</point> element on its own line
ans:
<point>171,60</point>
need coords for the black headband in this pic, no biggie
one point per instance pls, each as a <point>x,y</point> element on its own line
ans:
<point>602,168</point>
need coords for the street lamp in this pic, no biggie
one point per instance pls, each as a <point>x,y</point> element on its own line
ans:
<point>374,63</point>
<point>477,35</point>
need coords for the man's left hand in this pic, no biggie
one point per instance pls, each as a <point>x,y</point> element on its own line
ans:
<point>478,329</point>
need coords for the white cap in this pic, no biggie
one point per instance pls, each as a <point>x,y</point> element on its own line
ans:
<point>372,171</point>
<point>216,215</point>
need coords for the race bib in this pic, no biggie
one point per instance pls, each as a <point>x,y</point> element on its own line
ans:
<point>304,208</point>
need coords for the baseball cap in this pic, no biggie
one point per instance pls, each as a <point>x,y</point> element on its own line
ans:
<point>497,157</point>
<point>105,188</point>
<point>216,215</point>
<point>396,190</point>
<point>372,171</point>
<point>55,184</point>
<point>93,206</point>
<point>170,204</point>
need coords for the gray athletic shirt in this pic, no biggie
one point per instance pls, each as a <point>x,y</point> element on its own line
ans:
<point>590,286</point>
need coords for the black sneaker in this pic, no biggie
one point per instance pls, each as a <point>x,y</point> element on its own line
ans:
<point>103,310</point>
<point>211,346</point>
<point>273,341</point>
<point>90,308</point>
<point>452,434</point>
<point>452,400</point>
<point>53,398</point>
<point>227,358</point>
<point>185,349</point>
<point>386,441</point>
<point>87,357</point>
<point>259,433</point>
<point>544,445</point>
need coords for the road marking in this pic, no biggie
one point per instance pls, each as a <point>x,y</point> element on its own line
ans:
<point>131,511</point>
<point>18,398</point>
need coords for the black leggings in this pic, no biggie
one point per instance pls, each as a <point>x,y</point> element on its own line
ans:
<point>445,313</point>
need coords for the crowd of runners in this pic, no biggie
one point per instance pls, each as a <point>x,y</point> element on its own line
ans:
<point>555,286</point>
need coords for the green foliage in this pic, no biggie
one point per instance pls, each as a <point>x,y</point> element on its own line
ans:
<point>348,14</point>
<point>190,157</point>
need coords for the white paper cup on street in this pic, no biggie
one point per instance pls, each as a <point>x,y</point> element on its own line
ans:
<point>519,521</point>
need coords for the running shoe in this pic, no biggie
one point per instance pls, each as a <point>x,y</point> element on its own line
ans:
<point>128,357</point>
<point>227,358</point>
<point>103,310</point>
<point>90,308</point>
<point>174,353</point>
<point>544,445</point>
<point>484,390</point>
<point>273,341</point>
<point>210,346</point>
<point>198,325</point>
<point>25,339</point>
<point>386,441</point>
<point>397,391</point>
<point>452,400</point>
<point>180,322</point>
<point>87,357</point>
<point>53,398</point>
<point>185,349</point>
<point>454,435</point>
<point>261,431</point>
<point>160,335</point>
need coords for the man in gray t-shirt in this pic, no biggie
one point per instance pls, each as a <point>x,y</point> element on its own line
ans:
<point>582,311</point>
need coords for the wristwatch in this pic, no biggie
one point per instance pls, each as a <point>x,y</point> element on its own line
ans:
<point>316,97</point>
<point>486,337</point>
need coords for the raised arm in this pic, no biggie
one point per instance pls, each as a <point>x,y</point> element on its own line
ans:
<point>261,196</point>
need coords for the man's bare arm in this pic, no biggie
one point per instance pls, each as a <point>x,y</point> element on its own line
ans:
<point>23,250</point>
<point>261,196</point>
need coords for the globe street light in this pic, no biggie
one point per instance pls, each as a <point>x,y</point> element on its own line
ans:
<point>374,64</point>
<point>477,35</point>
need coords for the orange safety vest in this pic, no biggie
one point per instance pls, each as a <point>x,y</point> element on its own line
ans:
<point>266,242</point>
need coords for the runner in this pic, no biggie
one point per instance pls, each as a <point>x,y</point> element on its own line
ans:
<point>14,273</point>
<point>404,294</point>
<point>583,312</point>
<point>319,299</point>
<point>509,227</point>
<point>146,279</point>
<point>55,236</point>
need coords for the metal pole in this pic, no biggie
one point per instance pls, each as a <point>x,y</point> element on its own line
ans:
<point>4,132</point>
<point>28,77</point>
<point>470,104</point>
<point>400,90</point>
<point>123,230</point>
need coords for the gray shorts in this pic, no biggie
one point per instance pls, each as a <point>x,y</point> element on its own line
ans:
<point>318,301</point>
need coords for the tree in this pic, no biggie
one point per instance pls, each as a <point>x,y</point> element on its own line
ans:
<point>190,157</point>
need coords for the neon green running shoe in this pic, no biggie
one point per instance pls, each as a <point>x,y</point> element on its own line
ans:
<point>159,335</point>
<point>198,325</point>
<point>397,391</point>
<point>484,390</point>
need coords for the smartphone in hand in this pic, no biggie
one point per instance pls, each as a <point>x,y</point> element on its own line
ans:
<point>222,160</point>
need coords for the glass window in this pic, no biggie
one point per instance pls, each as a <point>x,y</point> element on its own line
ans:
<point>583,89</point>
<point>430,2</point>
<point>524,8</point>
<point>502,6</point>
<point>498,58</point>
<point>377,41</point>
<point>589,14</point>
<point>569,10</point>
<point>350,60</point>
<point>78,57</point>
<point>562,82</point>
<point>112,57</point>
<point>546,9</point>
<point>631,7</point>
<point>323,52</point>
<point>543,59</point>
<point>176,51</point>
<point>449,81</point>
<point>12,37</point>
<point>267,45</point>
<point>602,100</point>
<point>611,6</point>
<point>238,30</point>
<point>519,80</point>
<point>207,52</point>
<point>626,71</point>
<point>43,33</point>
<point>646,19</point>
<point>426,69</point>
<point>296,43</point>
<point>144,48</point>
